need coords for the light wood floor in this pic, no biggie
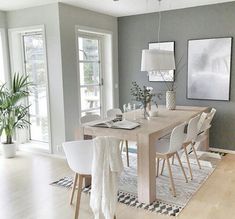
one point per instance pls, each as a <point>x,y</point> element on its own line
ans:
<point>25,192</point>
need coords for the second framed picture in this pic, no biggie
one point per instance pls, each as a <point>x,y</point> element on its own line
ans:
<point>163,75</point>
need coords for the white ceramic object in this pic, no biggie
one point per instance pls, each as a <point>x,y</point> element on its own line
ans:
<point>8,150</point>
<point>170,100</point>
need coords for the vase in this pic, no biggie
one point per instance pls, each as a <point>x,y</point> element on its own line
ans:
<point>8,150</point>
<point>170,100</point>
<point>146,114</point>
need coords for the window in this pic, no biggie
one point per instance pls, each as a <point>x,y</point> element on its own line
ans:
<point>89,47</point>
<point>35,67</point>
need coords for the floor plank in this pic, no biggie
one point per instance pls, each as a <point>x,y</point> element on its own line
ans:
<point>25,192</point>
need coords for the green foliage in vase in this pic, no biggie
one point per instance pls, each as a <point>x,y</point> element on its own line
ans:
<point>142,95</point>
<point>13,113</point>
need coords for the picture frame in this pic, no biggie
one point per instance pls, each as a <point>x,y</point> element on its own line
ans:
<point>209,68</point>
<point>168,75</point>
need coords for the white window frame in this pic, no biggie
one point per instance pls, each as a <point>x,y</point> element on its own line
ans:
<point>100,62</point>
<point>12,35</point>
<point>106,60</point>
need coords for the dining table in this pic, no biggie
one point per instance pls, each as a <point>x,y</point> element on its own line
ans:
<point>146,137</point>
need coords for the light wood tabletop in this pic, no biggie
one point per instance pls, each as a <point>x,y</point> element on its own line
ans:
<point>146,136</point>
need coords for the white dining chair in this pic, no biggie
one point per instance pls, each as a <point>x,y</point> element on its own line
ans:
<point>112,113</point>
<point>84,119</point>
<point>89,118</point>
<point>79,156</point>
<point>203,128</point>
<point>165,149</point>
<point>207,121</point>
<point>188,145</point>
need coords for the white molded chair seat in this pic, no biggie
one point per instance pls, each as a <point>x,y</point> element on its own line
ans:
<point>89,118</point>
<point>167,148</point>
<point>79,156</point>
<point>162,146</point>
<point>188,146</point>
<point>113,112</point>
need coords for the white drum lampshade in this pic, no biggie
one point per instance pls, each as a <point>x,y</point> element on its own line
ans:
<point>156,60</point>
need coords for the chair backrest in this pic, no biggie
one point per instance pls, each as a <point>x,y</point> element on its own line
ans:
<point>113,112</point>
<point>207,122</point>
<point>79,155</point>
<point>192,130</point>
<point>177,138</point>
<point>89,118</point>
<point>201,121</point>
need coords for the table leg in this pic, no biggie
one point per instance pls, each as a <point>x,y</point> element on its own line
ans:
<point>146,166</point>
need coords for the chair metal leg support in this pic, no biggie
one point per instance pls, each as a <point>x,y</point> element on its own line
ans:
<point>157,167</point>
<point>189,166</point>
<point>195,153</point>
<point>163,164</point>
<point>127,154</point>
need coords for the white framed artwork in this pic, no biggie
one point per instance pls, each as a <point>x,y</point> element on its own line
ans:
<point>161,76</point>
<point>209,68</point>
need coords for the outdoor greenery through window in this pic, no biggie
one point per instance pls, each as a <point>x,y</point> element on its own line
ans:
<point>35,67</point>
<point>90,74</point>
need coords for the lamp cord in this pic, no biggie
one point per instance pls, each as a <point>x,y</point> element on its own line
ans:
<point>159,23</point>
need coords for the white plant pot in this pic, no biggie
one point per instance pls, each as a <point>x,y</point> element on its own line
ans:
<point>8,150</point>
<point>170,100</point>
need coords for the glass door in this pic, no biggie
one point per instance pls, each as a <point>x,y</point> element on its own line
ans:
<point>35,67</point>
<point>90,74</point>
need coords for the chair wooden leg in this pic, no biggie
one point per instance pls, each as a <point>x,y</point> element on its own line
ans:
<point>182,168</point>
<point>122,142</point>
<point>157,167</point>
<point>171,177</point>
<point>127,154</point>
<point>114,217</point>
<point>80,181</point>
<point>74,188</point>
<point>195,153</point>
<point>173,159</point>
<point>163,164</point>
<point>189,166</point>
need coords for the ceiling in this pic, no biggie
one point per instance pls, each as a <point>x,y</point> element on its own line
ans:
<point>115,8</point>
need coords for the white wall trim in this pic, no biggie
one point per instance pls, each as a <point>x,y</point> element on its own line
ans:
<point>222,150</point>
<point>5,54</point>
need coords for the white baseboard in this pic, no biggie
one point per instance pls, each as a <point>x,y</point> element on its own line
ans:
<point>222,150</point>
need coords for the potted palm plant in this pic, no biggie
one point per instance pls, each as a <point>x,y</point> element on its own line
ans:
<point>13,111</point>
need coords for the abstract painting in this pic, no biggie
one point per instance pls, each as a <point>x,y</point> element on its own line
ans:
<point>209,68</point>
<point>163,75</point>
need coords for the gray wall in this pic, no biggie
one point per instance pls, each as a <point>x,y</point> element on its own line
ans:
<point>49,16</point>
<point>70,17</point>
<point>135,32</point>
<point>2,19</point>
